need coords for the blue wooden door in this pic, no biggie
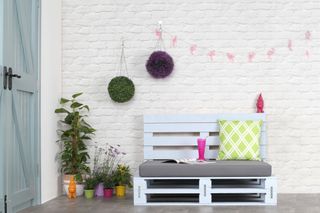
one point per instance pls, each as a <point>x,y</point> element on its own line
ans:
<point>2,113</point>
<point>20,105</point>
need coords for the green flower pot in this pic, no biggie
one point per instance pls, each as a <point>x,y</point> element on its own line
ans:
<point>89,193</point>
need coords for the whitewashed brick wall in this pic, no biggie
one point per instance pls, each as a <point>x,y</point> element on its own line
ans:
<point>290,83</point>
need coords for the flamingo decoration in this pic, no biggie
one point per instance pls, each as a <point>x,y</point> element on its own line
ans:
<point>290,44</point>
<point>270,53</point>
<point>251,55</point>
<point>231,57</point>
<point>307,35</point>
<point>260,104</point>
<point>174,41</point>
<point>193,49</point>
<point>158,34</point>
<point>307,53</point>
<point>211,54</point>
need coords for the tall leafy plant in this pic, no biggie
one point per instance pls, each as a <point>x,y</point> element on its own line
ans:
<point>73,136</point>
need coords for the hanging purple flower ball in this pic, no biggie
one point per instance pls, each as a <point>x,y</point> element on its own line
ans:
<point>160,64</point>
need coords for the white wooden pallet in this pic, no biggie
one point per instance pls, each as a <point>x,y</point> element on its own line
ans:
<point>206,191</point>
<point>174,136</point>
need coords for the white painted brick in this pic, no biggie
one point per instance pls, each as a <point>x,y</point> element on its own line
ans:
<point>289,82</point>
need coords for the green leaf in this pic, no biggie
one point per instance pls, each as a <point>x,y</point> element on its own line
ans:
<point>61,110</point>
<point>85,106</point>
<point>75,105</point>
<point>77,94</point>
<point>85,137</point>
<point>68,119</point>
<point>63,101</point>
<point>86,130</point>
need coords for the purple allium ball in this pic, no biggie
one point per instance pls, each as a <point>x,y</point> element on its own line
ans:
<point>160,64</point>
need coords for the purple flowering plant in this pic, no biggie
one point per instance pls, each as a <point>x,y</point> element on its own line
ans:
<point>106,160</point>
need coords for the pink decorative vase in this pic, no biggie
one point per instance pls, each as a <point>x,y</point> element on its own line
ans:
<point>201,148</point>
<point>99,190</point>
<point>108,193</point>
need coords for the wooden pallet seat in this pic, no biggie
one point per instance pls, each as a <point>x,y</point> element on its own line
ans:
<point>219,183</point>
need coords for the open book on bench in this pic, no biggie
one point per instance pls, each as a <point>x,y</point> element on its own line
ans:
<point>188,161</point>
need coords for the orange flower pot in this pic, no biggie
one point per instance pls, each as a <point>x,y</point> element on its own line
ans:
<point>120,191</point>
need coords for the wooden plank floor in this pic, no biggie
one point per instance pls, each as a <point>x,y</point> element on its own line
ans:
<point>287,203</point>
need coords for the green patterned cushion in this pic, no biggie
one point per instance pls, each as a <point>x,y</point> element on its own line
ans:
<point>239,140</point>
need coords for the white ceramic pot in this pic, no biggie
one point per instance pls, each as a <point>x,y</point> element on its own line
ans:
<point>79,189</point>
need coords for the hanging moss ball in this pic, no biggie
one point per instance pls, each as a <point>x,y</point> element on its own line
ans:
<point>160,64</point>
<point>121,89</point>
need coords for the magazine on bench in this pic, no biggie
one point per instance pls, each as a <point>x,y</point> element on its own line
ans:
<point>188,161</point>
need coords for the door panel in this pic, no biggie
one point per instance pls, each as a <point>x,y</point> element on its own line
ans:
<point>20,106</point>
<point>21,183</point>
<point>2,112</point>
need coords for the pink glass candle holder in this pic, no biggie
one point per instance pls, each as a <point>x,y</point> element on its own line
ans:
<point>201,148</point>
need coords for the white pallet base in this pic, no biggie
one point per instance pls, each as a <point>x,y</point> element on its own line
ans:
<point>206,190</point>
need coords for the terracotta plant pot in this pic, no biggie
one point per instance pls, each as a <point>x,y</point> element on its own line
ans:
<point>89,193</point>
<point>120,191</point>
<point>108,193</point>
<point>99,190</point>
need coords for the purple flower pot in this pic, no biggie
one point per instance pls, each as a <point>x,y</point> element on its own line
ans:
<point>99,190</point>
<point>108,193</point>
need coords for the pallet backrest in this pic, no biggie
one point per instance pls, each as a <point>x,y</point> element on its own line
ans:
<point>175,136</point>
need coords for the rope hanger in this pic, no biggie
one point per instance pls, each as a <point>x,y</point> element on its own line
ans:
<point>122,67</point>
<point>160,43</point>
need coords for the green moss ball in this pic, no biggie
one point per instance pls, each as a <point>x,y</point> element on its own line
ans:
<point>121,89</point>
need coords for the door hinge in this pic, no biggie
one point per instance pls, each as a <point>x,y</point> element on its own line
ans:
<point>5,204</point>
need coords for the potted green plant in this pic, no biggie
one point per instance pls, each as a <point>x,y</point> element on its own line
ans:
<point>123,178</point>
<point>109,183</point>
<point>74,134</point>
<point>106,159</point>
<point>89,186</point>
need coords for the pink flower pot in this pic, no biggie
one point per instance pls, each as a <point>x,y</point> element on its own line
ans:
<point>201,148</point>
<point>108,193</point>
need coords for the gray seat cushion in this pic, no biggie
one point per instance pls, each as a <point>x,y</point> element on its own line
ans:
<point>158,168</point>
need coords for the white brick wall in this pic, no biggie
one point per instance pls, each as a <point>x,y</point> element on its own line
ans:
<point>290,82</point>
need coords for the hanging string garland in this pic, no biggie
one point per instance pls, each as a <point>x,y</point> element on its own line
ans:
<point>160,64</point>
<point>121,88</point>
<point>232,57</point>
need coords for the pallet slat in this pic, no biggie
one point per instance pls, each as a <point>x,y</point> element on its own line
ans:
<point>183,141</point>
<point>184,127</point>
<point>237,190</point>
<point>201,118</point>
<point>172,191</point>
<point>177,154</point>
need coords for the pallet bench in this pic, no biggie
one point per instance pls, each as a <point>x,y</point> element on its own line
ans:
<point>174,137</point>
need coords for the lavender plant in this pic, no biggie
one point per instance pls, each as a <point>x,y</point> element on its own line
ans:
<point>106,160</point>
